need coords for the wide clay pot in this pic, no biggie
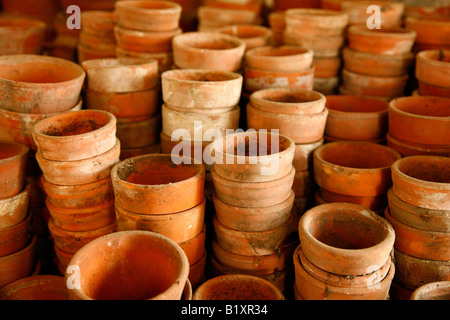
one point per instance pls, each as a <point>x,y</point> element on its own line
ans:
<point>406,149</point>
<point>207,50</point>
<point>155,184</point>
<point>433,67</point>
<point>14,210</point>
<point>288,100</point>
<point>423,181</point>
<point>201,89</point>
<point>75,135</point>
<point>354,168</point>
<point>432,291</point>
<point>283,58</point>
<point>21,35</point>
<point>325,47</point>
<point>325,68</point>
<point>346,239</point>
<point>39,84</point>
<point>138,134</point>
<point>253,35</point>
<point>431,30</point>
<point>148,15</point>
<point>237,287</point>
<point>122,258</point>
<point>13,162</point>
<point>356,118</point>
<point>37,287</point>
<point>16,237</point>
<point>303,157</point>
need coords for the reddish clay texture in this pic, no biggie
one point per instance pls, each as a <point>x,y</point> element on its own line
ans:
<point>433,67</point>
<point>15,238</point>
<point>145,41</point>
<point>407,150</point>
<point>13,161</point>
<point>317,22</point>
<point>432,291</point>
<point>138,134</point>
<point>21,35</point>
<point>253,35</point>
<point>283,58</point>
<point>38,287</point>
<point>433,29</point>
<point>14,210</point>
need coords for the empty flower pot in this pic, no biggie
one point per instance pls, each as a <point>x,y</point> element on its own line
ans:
<point>283,58</point>
<point>315,21</point>
<point>14,210</point>
<point>36,287</point>
<point>431,30</point>
<point>13,161</point>
<point>127,254</point>
<point>253,35</point>
<point>433,67</point>
<point>211,18</point>
<point>432,291</point>
<point>16,237</point>
<point>21,35</point>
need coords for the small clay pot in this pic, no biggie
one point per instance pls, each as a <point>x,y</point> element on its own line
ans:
<point>211,18</point>
<point>13,161</point>
<point>326,67</point>
<point>38,287</point>
<point>283,58</point>
<point>237,287</point>
<point>356,118</point>
<point>406,149</point>
<point>139,134</point>
<point>426,89</point>
<point>325,47</point>
<point>16,237</point>
<point>374,203</point>
<point>14,210</point>
<point>208,50</point>
<point>121,75</point>
<point>39,84</point>
<point>430,29</point>
<point>346,239</point>
<point>155,184</point>
<point>127,254</point>
<point>423,181</point>
<point>99,22</point>
<point>431,64</point>
<point>253,35</point>
<point>22,35</point>
<point>303,157</point>
<point>317,22</point>
<point>165,59</point>
<point>354,168</point>
<point>148,15</point>
<point>432,291</point>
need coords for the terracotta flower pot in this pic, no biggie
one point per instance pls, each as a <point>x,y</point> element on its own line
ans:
<point>303,157</point>
<point>356,118</point>
<point>325,47</point>
<point>194,248</point>
<point>391,12</point>
<point>148,15</point>
<point>395,41</point>
<point>354,168</point>
<point>304,184</point>
<point>13,161</point>
<point>207,50</point>
<point>312,126</point>
<point>14,210</point>
<point>99,22</point>
<point>430,30</point>
<point>211,18</point>
<point>345,238</point>
<point>253,35</point>
<point>139,134</point>
<point>154,184</point>
<point>432,291</point>
<point>422,181</point>
<point>128,253</point>
<point>39,84</point>
<point>374,203</point>
<point>433,67</point>
<point>283,58</point>
<point>85,52</point>
<point>38,287</point>
<point>326,67</point>
<point>16,237</point>
<point>201,89</point>
<point>165,59</point>
<point>21,35</point>
<point>197,272</point>
<point>420,120</point>
<point>237,287</point>
<point>426,89</point>
<point>81,171</point>
<point>407,150</point>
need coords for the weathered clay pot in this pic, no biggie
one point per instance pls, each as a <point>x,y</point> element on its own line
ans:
<point>283,58</point>
<point>211,18</point>
<point>432,291</point>
<point>432,30</point>
<point>14,210</point>
<point>253,35</point>
<point>16,237</point>
<point>127,254</point>
<point>391,12</point>
<point>85,52</point>
<point>39,84</point>
<point>148,15</point>
<point>318,22</point>
<point>423,181</point>
<point>374,203</point>
<point>75,135</point>
<point>197,272</point>
<point>345,239</point>
<point>356,118</point>
<point>433,67</point>
<point>354,168</point>
<point>237,287</point>
<point>207,50</point>
<point>165,59</point>
<point>145,41</point>
<point>81,171</point>
<point>407,150</point>
<point>426,89</point>
<point>13,161</point>
<point>121,75</point>
<point>321,46</point>
<point>21,35</point>
<point>326,67</point>
<point>154,184</point>
<point>288,100</point>
<point>303,157</point>
<point>194,248</point>
<point>139,134</point>
<point>38,287</point>
<point>99,22</point>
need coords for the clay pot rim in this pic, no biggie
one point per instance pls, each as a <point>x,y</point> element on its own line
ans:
<point>55,230</point>
<point>419,19</point>
<point>30,246</point>
<point>416,147</point>
<point>421,292</point>
<point>13,22</point>
<point>402,79</point>
<point>263,94</point>
<point>118,62</point>
<point>173,75</point>
<point>22,152</point>
<point>311,116</point>
<point>398,58</point>
<point>429,57</point>
<point>79,211</point>
<point>52,186</point>
<point>358,114</point>
<point>393,107</point>
<point>316,13</point>
<point>261,31</point>
<point>27,282</point>
<point>24,193</point>
<point>96,13</point>
<point>147,35</point>
<point>19,226</point>
<point>140,7</point>
<point>293,52</point>
<point>183,41</point>
<point>399,33</point>
<point>306,71</point>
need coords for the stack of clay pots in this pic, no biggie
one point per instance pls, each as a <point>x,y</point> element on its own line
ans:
<point>356,118</point>
<point>345,253</point>
<point>419,126</point>
<point>433,30</point>
<point>419,212</point>
<point>21,35</point>
<point>76,151</point>
<point>129,88</point>
<point>301,115</point>
<point>356,172</point>
<point>96,38</point>
<point>432,73</point>
<point>276,22</point>
<point>253,35</point>
<point>17,240</point>
<point>145,29</point>
<point>321,31</point>
<point>255,230</point>
<point>164,193</point>
<point>377,62</point>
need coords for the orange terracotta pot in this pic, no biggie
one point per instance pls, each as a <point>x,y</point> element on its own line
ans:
<point>81,171</point>
<point>276,20</point>
<point>312,125</point>
<point>194,248</point>
<point>326,67</point>
<point>13,161</point>
<point>422,181</point>
<point>99,22</point>
<point>345,89</point>
<point>432,291</point>
<point>179,226</point>
<point>14,210</point>
<point>283,58</point>
<point>327,86</point>
<point>22,35</point>
<point>165,59</point>
<point>426,89</point>
<point>303,157</point>
<point>39,84</point>
<point>37,287</point>
<point>197,272</point>
<point>252,5</point>
<point>204,50</point>
<point>391,12</point>
<point>211,18</point>
<point>89,5</point>
<point>407,150</point>
<point>354,168</point>
<point>430,29</point>
<point>375,203</point>
<point>139,134</point>
<point>95,42</point>
<point>325,47</point>
<point>253,35</point>
<point>433,67</point>
<point>15,238</point>
<point>148,16</point>
<point>128,253</point>
<point>86,52</point>
<point>356,118</point>
<point>154,184</point>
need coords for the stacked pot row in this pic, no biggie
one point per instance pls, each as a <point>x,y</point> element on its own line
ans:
<point>345,253</point>
<point>164,193</point>
<point>356,172</point>
<point>321,31</point>
<point>213,17</point>
<point>432,73</point>
<point>76,151</point>
<point>253,221</point>
<point>419,212</point>
<point>377,62</point>
<point>419,125</point>
<point>432,28</point>
<point>146,28</point>
<point>128,88</point>
<point>96,39</point>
